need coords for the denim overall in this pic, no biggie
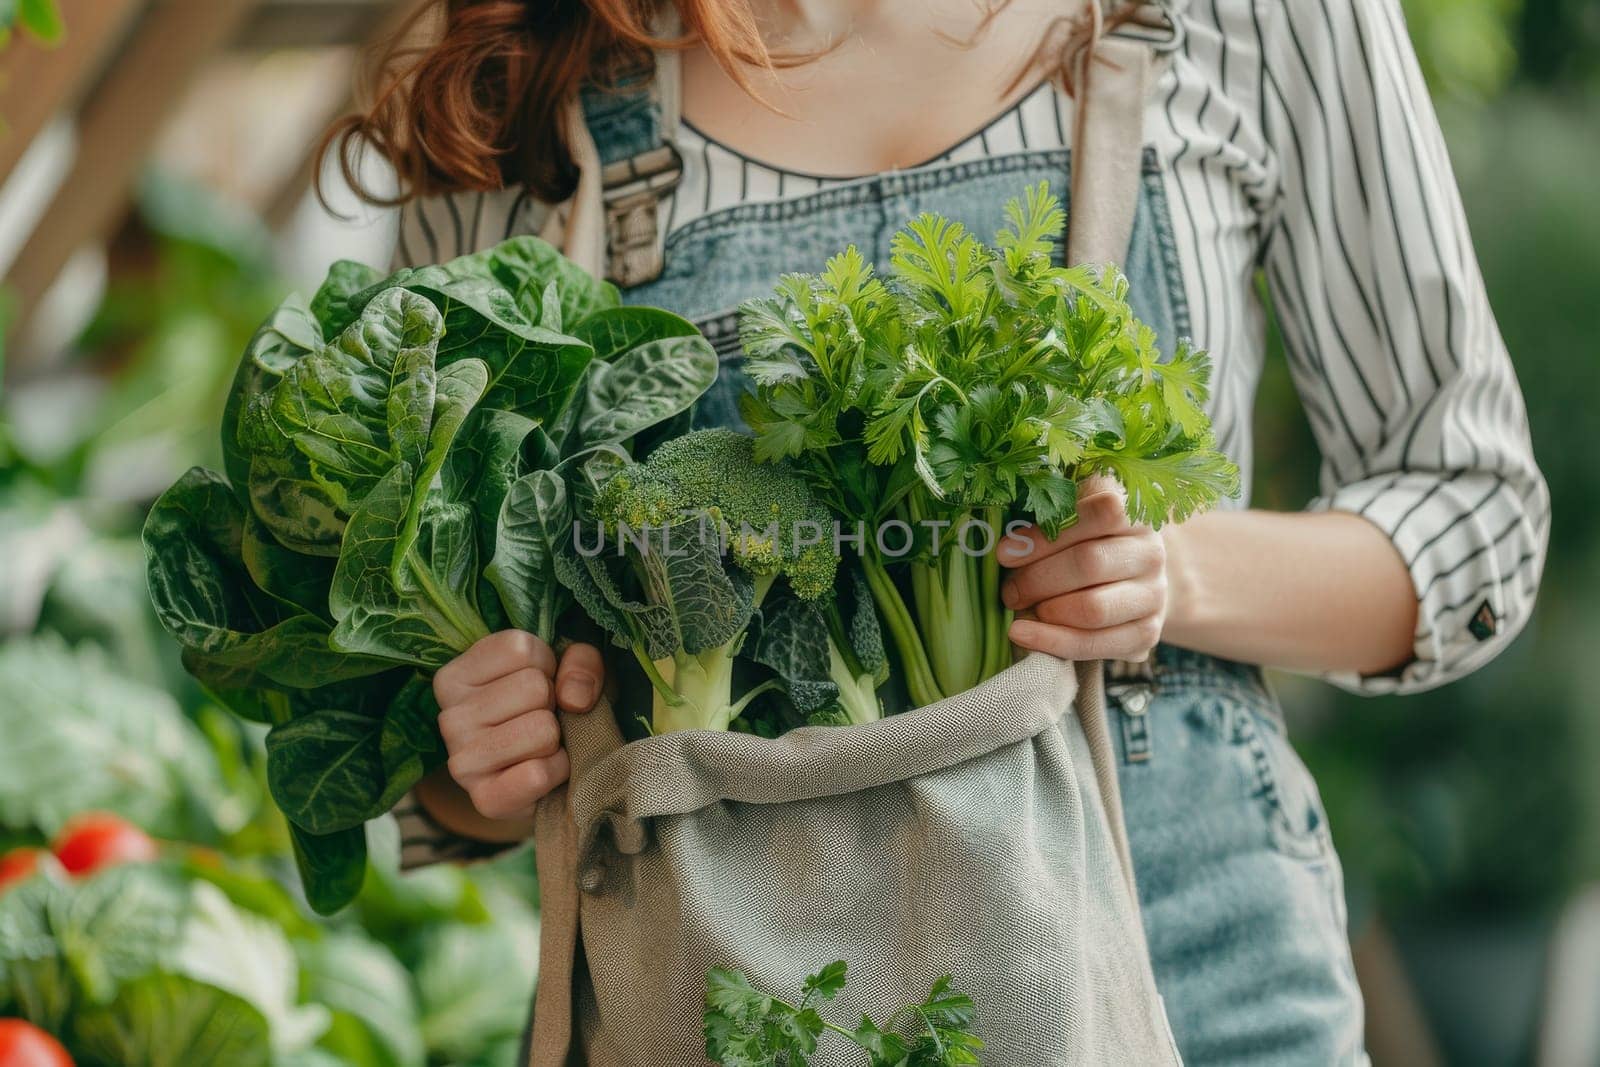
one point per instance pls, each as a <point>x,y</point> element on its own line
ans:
<point>1241,892</point>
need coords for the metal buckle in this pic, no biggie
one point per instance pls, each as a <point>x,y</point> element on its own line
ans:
<point>632,189</point>
<point>1133,686</point>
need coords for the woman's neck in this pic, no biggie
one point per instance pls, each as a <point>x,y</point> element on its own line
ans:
<point>891,82</point>
<point>809,25</point>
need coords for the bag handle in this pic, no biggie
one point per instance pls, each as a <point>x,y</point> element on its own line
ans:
<point>1112,80</point>
<point>557,854</point>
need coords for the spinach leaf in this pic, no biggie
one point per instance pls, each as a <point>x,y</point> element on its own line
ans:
<point>410,601</point>
<point>341,417</point>
<point>234,635</point>
<point>533,527</point>
<point>332,306</point>
<point>492,305</point>
<point>334,768</point>
<point>613,331</point>
<point>332,866</point>
<point>289,333</point>
<point>644,386</point>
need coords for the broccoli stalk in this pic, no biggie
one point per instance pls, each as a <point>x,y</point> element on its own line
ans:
<point>706,533</point>
<point>694,690</point>
<point>856,664</point>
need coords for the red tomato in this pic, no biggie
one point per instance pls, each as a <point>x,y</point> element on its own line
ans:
<point>99,839</point>
<point>19,863</point>
<point>23,1044</point>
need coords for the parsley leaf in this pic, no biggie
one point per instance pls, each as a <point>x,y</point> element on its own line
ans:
<point>745,1027</point>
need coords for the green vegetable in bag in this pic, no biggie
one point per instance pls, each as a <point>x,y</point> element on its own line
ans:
<point>688,545</point>
<point>973,385</point>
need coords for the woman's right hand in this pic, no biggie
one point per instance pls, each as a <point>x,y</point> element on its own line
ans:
<point>497,704</point>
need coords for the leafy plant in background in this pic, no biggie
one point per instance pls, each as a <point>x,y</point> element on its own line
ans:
<point>136,402</point>
<point>39,18</point>
<point>198,960</point>
<point>91,738</point>
<point>397,452</point>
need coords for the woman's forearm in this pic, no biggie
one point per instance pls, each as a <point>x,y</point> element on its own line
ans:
<point>1306,591</point>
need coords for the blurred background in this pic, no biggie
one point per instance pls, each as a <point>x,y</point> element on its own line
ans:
<point>156,163</point>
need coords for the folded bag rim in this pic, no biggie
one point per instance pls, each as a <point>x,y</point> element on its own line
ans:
<point>690,770</point>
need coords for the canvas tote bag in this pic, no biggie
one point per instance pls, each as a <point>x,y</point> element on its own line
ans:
<point>981,836</point>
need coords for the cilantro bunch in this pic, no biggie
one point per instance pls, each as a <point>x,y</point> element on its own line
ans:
<point>974,385</point>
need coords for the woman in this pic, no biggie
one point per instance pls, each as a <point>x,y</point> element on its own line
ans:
<point>1296,139</point>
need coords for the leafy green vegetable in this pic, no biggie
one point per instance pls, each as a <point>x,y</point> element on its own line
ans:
<point>473,981</point>
<point>400,453</point>
<point>234,634</point>
<point>659,583</point>
<point>745,1027</point>
<point>168,1020</point>
<point>494,309</point>
<point>977,383</point>
<point>41,18</point>
<point>333,769</point>
<point>333,866</point>
<point>247,955</point>
<point>346,414</point>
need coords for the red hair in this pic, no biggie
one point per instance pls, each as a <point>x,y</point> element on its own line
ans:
<point>481,106</point>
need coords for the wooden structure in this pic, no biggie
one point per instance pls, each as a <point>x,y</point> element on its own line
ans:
<point>121,69</point>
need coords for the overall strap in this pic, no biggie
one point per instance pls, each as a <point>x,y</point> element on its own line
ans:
<point>623,133</point>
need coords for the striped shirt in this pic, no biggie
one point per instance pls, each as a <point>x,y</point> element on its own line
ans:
<point>1296,139</point>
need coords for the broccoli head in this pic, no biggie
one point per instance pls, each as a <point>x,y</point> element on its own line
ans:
<point>771,523</point>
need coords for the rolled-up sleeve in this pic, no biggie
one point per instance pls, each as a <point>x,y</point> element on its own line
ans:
<point>1392,344</point>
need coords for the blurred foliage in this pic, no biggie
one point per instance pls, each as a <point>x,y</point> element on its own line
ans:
<point>1471,50</point>
<point>41,19</point>
<point>1465,46</point>
<point>1481,795</point>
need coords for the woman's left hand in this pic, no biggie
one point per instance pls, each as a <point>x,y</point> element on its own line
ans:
<point>1099,591</point>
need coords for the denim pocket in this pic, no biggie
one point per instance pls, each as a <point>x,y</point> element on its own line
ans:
<point>1278,781</point>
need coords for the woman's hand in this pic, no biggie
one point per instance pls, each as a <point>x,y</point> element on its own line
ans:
<point>1099,591</point>
<point>496,713</point>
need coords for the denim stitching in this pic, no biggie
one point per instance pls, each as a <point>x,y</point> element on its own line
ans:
<point>1287,835</point>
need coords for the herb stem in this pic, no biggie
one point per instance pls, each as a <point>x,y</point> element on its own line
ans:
<point>996,617</point>
<point>913,656</point>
